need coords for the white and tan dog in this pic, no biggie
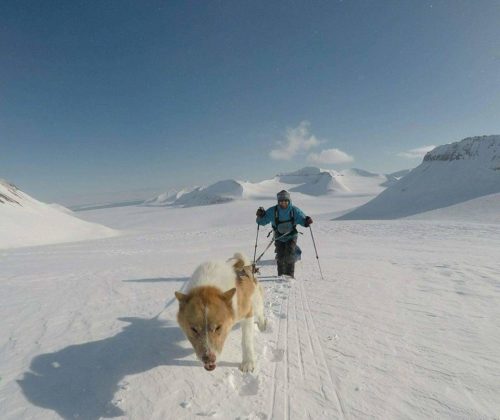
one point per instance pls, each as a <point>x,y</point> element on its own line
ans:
<point>218,295</point>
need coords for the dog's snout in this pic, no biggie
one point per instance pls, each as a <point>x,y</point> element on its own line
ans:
<point>208,358</point>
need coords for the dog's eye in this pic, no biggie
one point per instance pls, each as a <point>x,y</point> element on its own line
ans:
<point>217,328</point>
<point>194,330</point>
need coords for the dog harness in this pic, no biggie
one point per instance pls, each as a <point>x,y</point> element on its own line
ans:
<point>284,226</point>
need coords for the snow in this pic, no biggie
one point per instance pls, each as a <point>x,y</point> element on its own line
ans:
<point>61,208</point>
<point>165,198</point>
<point>406,323</point>
<point>220,192</point>
<point>314,181</point>
<point>25,221</point>
<point>484,150</point>
<point>310,181</point>
<point>449,175</point>
<point>485,209</point>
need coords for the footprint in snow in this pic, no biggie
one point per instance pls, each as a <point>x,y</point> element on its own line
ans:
<point>276,355</point>
<point>207,413</point>
<point>254,416</point>
<point>250,385</point>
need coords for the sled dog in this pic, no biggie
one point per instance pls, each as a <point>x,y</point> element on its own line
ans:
<point>218,295</point>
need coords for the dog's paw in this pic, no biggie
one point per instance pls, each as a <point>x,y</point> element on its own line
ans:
<point>262,324</point>
<point>247,366</point>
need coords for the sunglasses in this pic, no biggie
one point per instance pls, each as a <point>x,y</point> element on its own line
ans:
<point>283,201</point>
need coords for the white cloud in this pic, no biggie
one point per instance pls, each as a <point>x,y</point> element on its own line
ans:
<point>297,140</point>
<point>416,153</point>
<point>330,156</point>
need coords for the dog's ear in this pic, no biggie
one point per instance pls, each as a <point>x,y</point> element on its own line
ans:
<point>227,296</point>
<point>181,297</point>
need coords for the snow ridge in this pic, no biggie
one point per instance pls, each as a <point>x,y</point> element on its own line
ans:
<point>482,148</point>
<point>25,221</point>
<point>9,193</point>
<point>449,174</point>
<point>311,181</point>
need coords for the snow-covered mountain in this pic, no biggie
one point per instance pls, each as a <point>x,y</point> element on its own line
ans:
<point>313,181</point>
<point>220,192</point>
<point>395,177</point>
<point>165,199</point>
<point>310,181</point>
<point>25,221</point>
<point>449,174</point>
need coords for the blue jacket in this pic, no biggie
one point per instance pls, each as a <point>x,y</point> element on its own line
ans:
<point>283,216</point>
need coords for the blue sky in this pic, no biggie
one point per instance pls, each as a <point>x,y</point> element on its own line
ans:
<point>106,96</point>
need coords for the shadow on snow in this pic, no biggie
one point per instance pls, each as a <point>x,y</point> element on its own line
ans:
<point>80,381</point>
<point>266,262</point>
<point>158,280</point>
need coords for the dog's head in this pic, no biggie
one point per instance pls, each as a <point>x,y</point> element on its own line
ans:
<point>206,316</point>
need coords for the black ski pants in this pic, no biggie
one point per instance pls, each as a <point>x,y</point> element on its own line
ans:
<point>285,256</point>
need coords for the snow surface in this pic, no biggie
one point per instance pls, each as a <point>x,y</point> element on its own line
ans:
<point>406,323</point>
<point>449,174</point>
<point>25,221</point>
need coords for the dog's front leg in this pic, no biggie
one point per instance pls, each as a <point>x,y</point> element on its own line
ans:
<point>248,363</point>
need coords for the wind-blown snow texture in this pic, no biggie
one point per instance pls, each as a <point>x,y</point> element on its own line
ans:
<point>406,323</point>
<point>448,175</point>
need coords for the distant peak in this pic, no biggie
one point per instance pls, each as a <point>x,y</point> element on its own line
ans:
<point>7,184</point>
<point>9,193</point>
<point>362,172</point>
<point>466,149</point>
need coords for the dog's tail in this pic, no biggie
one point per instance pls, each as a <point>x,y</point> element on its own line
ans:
<point>242,266</point>
<point>238,261</point>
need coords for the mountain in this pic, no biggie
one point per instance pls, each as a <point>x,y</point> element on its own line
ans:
<point>165,198</point>
<point>311,181</point>
<point>484,209</point>
<point>25,221</point>
<point>449,174</point>
<point>220,192</point>
<point>395,177</point>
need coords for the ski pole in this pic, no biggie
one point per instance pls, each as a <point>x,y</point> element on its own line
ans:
<point>261,255</point>
<point>316,251</point>
<point>255,249</point>
<point>270,243</point>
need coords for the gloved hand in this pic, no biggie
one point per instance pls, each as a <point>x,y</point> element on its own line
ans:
<point>308,221</point>
<point>261,212</point>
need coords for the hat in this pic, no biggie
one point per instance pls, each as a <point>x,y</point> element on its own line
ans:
<point>283,195</point>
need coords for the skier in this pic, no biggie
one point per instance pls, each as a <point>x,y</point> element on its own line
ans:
<point>284,217</point>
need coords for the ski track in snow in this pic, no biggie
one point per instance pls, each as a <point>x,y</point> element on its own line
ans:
<point>291,361</point>
<point>405,325</point>
<point>301,360</point>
